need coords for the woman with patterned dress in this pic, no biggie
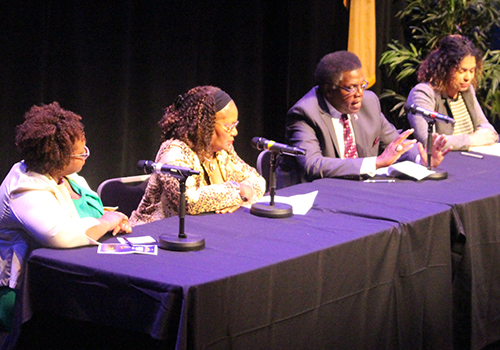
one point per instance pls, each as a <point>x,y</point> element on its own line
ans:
<point>198,131</point>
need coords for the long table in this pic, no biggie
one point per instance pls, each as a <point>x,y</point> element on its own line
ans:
<point>472,191</point>
<point>369,266</point>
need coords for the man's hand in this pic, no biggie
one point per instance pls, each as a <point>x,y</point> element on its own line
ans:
<point>438,151</point>
<point>395,149</point>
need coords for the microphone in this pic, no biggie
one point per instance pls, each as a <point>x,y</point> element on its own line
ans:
<point>261,143</point>
<point>429,114</point>
<point>150,167</point>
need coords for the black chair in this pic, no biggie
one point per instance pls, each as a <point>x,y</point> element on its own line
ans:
<point>123,192</point>
<point>287,173</point>
<point>263,166</point>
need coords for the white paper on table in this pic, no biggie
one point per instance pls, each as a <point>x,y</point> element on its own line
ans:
<point>137,240</point>
<point>408,168</point>
<point>493,150</point>
<point>301,203</point>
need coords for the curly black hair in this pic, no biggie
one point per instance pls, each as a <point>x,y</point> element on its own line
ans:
<point>191,119</point>
<point>331,68</point>
<point>47,137</point>
<point>441,64</point>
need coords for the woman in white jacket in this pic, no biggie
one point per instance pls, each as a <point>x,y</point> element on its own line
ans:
<point>43,202</point>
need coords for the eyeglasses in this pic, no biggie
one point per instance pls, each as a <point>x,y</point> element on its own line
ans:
<point>228,127</point>
<point>83,155</point>
<point>354,88</point>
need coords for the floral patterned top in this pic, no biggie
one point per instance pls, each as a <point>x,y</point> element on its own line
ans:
<point>161,198</point>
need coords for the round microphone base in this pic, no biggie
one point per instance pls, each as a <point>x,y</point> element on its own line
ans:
<point>276,211</point>
<point>192,242</point>
<point>438,175</point>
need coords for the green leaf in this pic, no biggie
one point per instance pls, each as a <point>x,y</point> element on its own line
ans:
<point>430,20</point>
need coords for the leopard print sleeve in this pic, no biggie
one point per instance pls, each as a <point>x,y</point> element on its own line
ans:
<point>235,169</point>
<point>161,199</point>
<point>201,196</point>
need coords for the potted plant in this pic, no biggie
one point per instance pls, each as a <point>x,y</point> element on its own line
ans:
<point>427,21</point>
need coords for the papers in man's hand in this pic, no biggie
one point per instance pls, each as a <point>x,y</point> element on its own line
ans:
<point>301,203</point>
<point>493,150</point>
<point>406,168</point>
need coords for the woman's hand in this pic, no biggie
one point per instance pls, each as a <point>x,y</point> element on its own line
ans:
<point>228,209</point>
<point>111,221</point>
<point>246,192</point>
<point>483,137</point>
<point>118,222</point>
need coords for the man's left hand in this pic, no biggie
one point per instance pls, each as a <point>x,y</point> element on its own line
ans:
<point>438,151</point>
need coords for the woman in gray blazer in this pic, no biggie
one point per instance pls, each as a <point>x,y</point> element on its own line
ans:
<point>447,79</point>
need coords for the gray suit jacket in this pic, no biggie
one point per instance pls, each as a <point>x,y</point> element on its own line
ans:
<point>423,95</point>
<point>309,126</point>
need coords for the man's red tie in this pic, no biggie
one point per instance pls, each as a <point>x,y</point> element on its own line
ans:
<point>349,144</point>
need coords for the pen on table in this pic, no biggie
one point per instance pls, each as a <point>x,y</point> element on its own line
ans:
<point>471,155</point>
<point>128,242</point>
<point>380,180</point>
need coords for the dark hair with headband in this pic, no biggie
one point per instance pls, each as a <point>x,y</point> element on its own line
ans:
<point>191,118</point>
<point>221,100</point>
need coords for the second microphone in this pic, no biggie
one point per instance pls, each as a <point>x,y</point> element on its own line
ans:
<point>261,143</point>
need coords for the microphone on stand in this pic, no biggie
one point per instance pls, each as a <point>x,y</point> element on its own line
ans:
<point>150,167</point>
<point>273,210</point>
<point>261,144</point>
<point>431,117</point>
<point>429,114</point>
<point>180,242</point>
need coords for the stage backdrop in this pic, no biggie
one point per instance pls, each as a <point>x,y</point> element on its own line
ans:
<point>120,63</point>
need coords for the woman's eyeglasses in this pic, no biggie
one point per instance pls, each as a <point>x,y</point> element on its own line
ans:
<point>83,155</point>
<point>229,127</point>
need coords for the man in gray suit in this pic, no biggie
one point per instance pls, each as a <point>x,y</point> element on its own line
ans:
<point>342,129</point>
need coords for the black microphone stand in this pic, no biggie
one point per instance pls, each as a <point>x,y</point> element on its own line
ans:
<point>272,210</point>
<point>437,175</point>
<point>182,242</point>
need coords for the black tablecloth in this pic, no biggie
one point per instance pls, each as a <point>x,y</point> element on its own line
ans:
<point>472,190</point>
<point>369,266</point>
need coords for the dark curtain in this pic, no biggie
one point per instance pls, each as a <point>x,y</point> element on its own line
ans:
<point>120,63</point>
